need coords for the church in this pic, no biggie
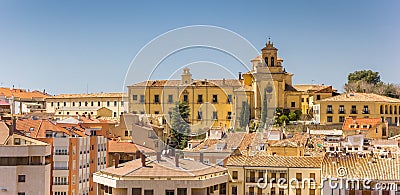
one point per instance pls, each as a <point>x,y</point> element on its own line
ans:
<point>216,103</point>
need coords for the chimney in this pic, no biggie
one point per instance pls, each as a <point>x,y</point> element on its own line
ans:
<point>177,160</point>
<point>116,160</point>
<point>240,75</point>
<point>158,156</point>
<point>137,154</point>
<point>201,157</point>
<point>13,127</point>
<point>143,157</point>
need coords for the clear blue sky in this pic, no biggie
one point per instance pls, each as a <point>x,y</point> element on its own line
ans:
<point>63,46</point>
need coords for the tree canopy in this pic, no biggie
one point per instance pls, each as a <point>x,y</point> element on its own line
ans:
<point>368,76</point>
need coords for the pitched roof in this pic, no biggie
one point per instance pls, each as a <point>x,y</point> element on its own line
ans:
<point>358,123</point>
<point>275,161</point>
<point>38,128</point>
<point>356,167</point>
<point>313,88</point>
<point>360,97</point>
<point>164,168</point>
<point>88,95</point>
<point>4,132</point>
<point>164,83</point>
<point>21,93</point>
<point>126,147</point>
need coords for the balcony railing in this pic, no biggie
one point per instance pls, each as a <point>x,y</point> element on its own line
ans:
<point>329,112</point>
<point>365,112</point>
<point>60,168</point>
<point>60,183</point>
<point>342,112</point>
<point>354,112</point>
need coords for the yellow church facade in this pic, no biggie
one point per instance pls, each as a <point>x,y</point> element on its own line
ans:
<point>217,103</point>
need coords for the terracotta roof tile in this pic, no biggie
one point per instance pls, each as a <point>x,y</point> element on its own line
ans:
<point>360,97</point>
<point>358,123</point>
<point>275,161</point>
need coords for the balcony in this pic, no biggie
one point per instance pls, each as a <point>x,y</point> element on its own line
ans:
<point>365,112</point>
<point>329,112</point>
<point>342,112</point>
<point>353,112</point>
<point>60,183</point>
<point>60,168</point>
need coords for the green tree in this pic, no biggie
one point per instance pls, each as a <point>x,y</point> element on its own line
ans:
<point>283,119</point>
<point>292,116</point>
<point>298,114</point>
<point>244,115</point>
<point>180,128</point>
<point>369,76</point>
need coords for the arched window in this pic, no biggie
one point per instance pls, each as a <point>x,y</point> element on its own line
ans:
<point>272,61</point>
<point>266,61</point>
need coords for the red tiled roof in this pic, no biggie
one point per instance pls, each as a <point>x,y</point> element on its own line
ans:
<point>359,122</point>
<point>21,93</point>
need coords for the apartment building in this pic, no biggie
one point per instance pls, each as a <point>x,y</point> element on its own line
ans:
<point>106,105</point>
<point>24,169</point>
<point>283,175</point>
<point>162,175</point>
<point>75,155</point>
<point>23,101</point>
<point>357,105</point>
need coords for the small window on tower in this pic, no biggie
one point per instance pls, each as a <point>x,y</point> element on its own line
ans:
<point>266,61</point>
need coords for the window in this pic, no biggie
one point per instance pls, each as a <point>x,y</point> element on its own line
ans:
<point>299,176</point>
<point>383,131</point>
<point>73,103</point>
<point>234,175</point>
<point>21,193</point>
<point>215,115</point>
<point>115,114</point>
<point>229,115</point>
<point>341,119</point>
<point>185,98</point>
<point>199,98</point>
<point>200,115</point>
<point>234,190</point>
<point>98,103</point>
<point>136,191</point>
<point>353,109</point>
<point>341,109</point>
<point>108,103</point>
<point>156,99</point>
<point>92,103</point>
<point>65,104</point>
<point>312,176</point>
<point>381,110</point>
<point>229,98</point>
<point>365,110</point>
<point>148,192</point>
<point>86,103</point>
<point>182,191</point>
<point>311,191</point>
<point>126,133</point>
<point>134,97</point>
<point>122,103</point>
<point>51,104</point>
<point>170,99</point>
<point>318,97</point>
<point>156,112</point>
<point>266,61</point>
<point>169,192</point>
<point>142,99</point>
<point>329,119</point>
<point>329,109</point>
<point>215,99</point>
<point>58,104</point>
<point>293,104</point>
<point>21,178</point>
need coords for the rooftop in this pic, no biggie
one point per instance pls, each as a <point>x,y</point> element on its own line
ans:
<point>164,83</point>
<point>360,123</point>
<point>357,167</point>
<point>21,93</point>
<point>164,168</point>
<point>275,161</point>
<point>360,97</point>
<point>88,95</point>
